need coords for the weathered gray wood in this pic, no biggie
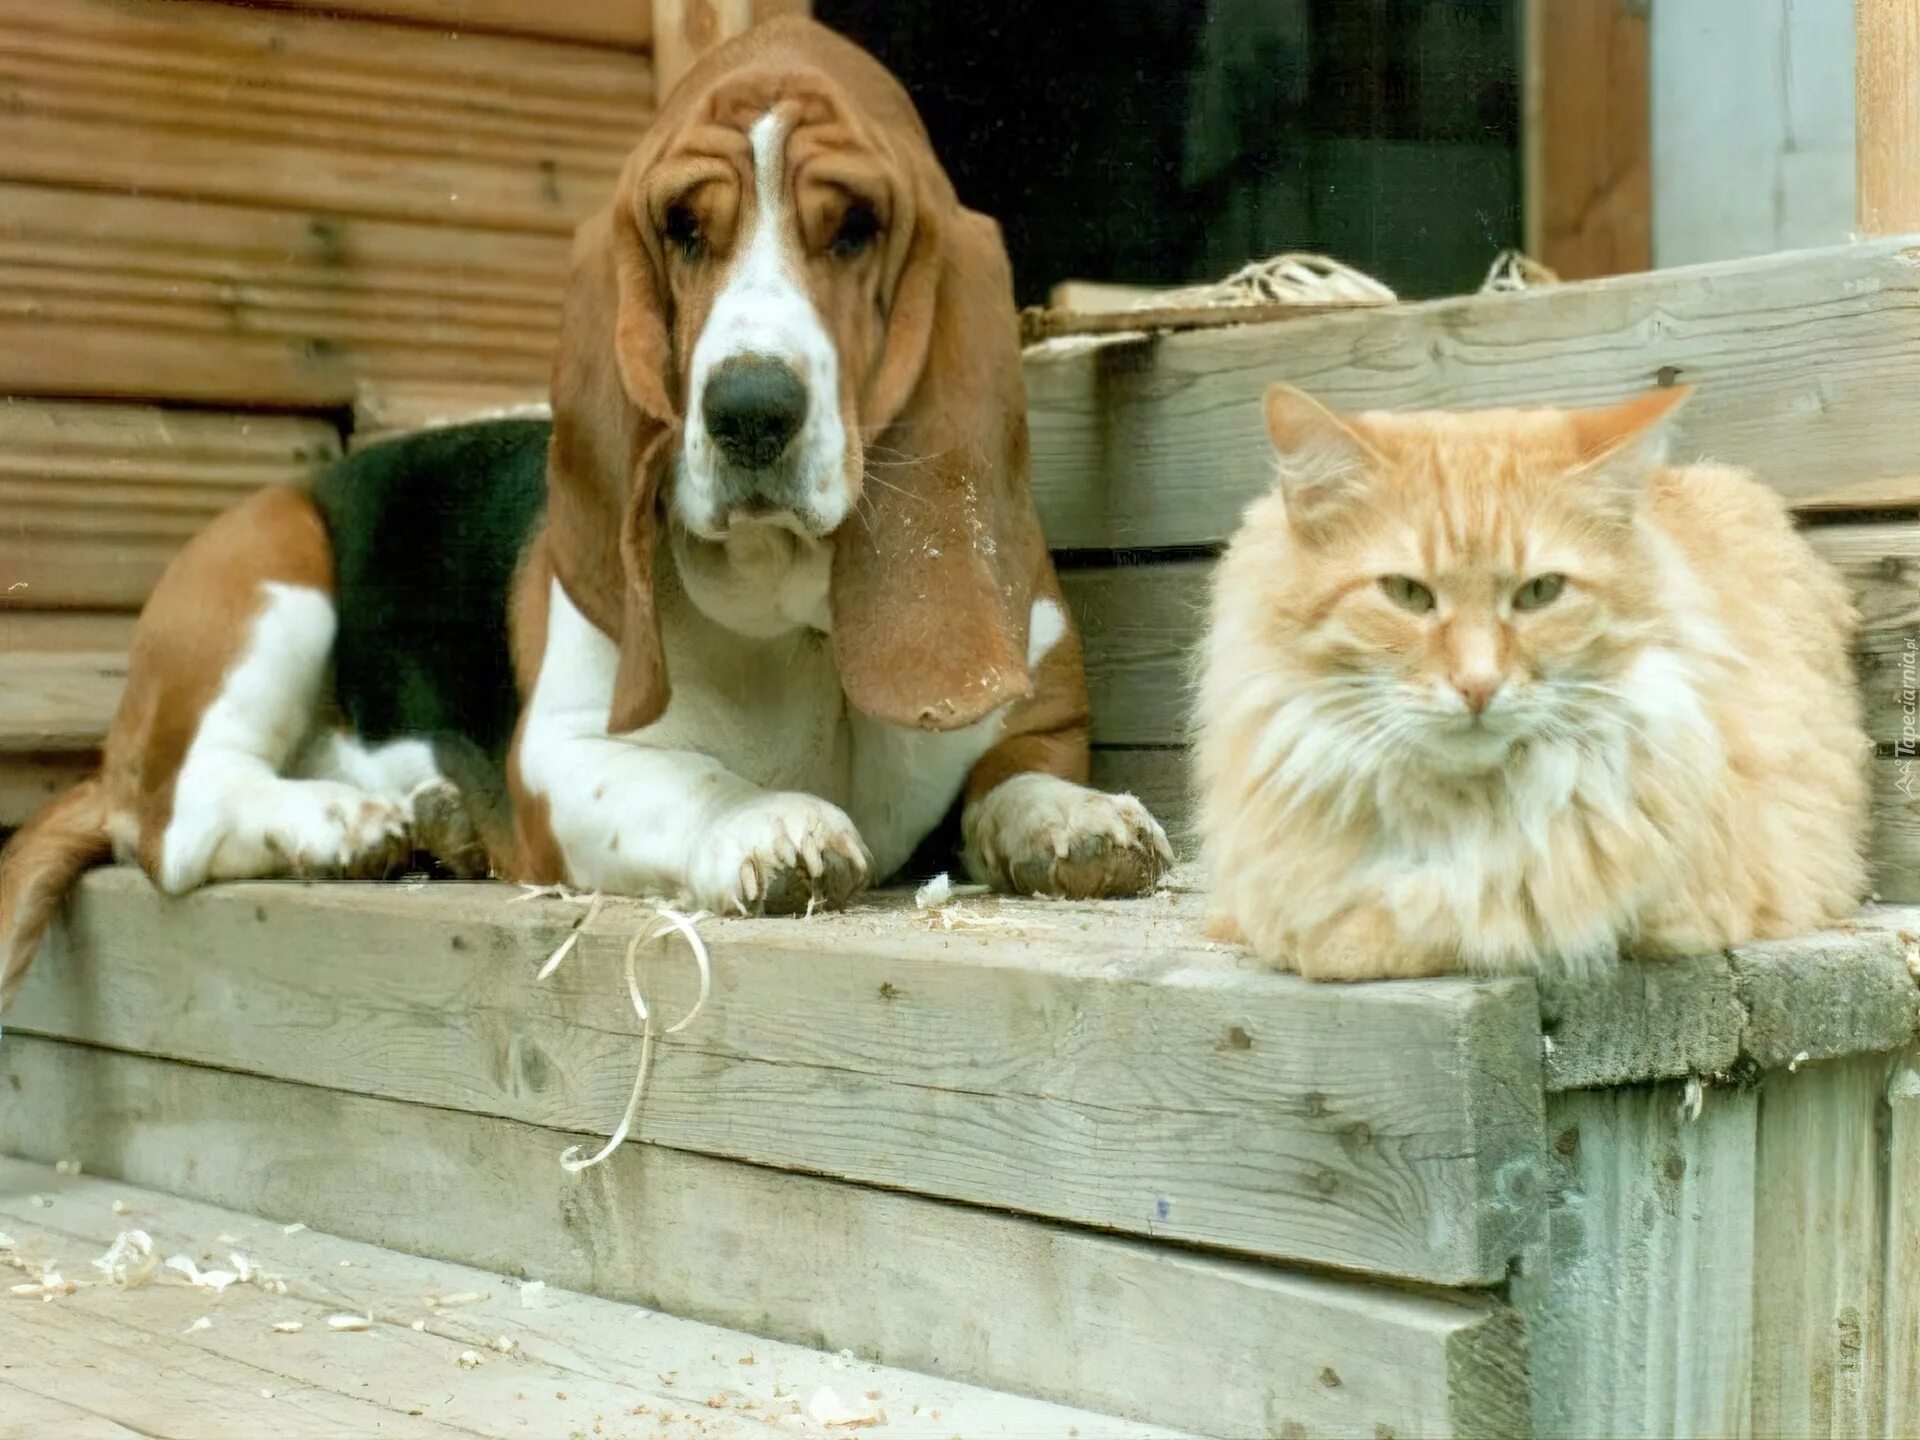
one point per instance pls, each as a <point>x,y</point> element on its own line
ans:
<point>1901,1289</point>
<point>977,1295</point>
<point>1638,1306</point>
<point>1823,996</point>
<point>1194,1096</point>
<point>1643,1020</point>
<point>1803,363</point>
<point>574,1359</point>
<point>1819,1221</point>
<point>1159,777</point>
<point>24,1415</point>
<point>1893,845</point>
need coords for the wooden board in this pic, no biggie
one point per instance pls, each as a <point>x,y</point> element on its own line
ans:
<point>29,782</point>
<point>383,410</point>
<point>150,296</point>
<point>53,703</point>
<point>683,30</point>
<point>1588,183</point>
<point>1801,362</point>
<point>571,1364</point>
<point>1819,1213</point>
<point>43,630</point>
<point>283,108</point>
<point>976,1295</point>
<point>1901,1287</point>
<point>627,24</point>
<point>1887,110</point>
<point>97,498</point>
<point>1639,1306</point>
<point>1379,1128</point>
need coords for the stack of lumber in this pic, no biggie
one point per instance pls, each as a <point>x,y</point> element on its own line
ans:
<point>217,220</point>
<point>1070,1151</point>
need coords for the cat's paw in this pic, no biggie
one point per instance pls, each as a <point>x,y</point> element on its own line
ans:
<point>1040,835</point>
<point>443,828</point>
<point>1365,943</point>
<point>780,854</point>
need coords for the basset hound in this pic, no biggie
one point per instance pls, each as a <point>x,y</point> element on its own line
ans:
<point>741,626</point>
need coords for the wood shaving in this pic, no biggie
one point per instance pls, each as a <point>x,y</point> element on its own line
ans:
<point>129,1262</point>
<point>243,1267</point>
<point>50,1285</point>
<point>349,1322</point>
<point>293,1229</point>
<point>419,1325</point>
<point>214,1280</point>
<point>936,892</point>
<point>288,1327</point>
<point>501,1343</point>
<point>1693,1100</point>
<point>40,1202</point>
<point>533,1295</point>
<point>121,1207</point>
<point>468,1360</point>
<point>460,1297</point>
<point>828,1409</point>
<point>203,1323</point>
<point>66,1167</point>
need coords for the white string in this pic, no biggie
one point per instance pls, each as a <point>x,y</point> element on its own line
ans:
<point>667,921</point>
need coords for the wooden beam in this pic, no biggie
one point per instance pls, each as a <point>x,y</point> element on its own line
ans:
<point>1800,363</point>
<point>626,24</point>
<point>938,1065</point>
<point>1588,182</point>
<point>1901,1287</point>
<point>1090,1320</point>
<point>1820,1198</point>
<point>344,117</point>
<point>1639,1305</point>
<point>99,497</point>
<point>1887,114</point>
<point>143,296</point>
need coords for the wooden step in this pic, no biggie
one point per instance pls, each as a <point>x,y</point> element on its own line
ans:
<point>497,1355</point>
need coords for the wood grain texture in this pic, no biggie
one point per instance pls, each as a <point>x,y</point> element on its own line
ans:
<point>684,30</point>
<point>1901,1287</point>
<point>1586,147</point>
<point>976,1295</point>
<point>282,108</point>
<point>382,410</point>
<point>43,630</point>
<point>942,1062</point>
<point>52,703</point>
<point>29,782</point>
<point>575,1361</point>
<point>1639,1306</point>
<point>1887,114</point>
<point>97,498</point>
<point>627,24</point>
<point>1819,1220</point>
<point>1797,359</point>
<point>1893,844</point>
<point>151,296</point>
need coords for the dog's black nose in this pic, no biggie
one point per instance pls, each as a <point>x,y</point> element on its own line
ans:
<point>754,407</point>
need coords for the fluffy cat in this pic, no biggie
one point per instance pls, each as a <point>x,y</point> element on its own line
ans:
<point>1502,691</point>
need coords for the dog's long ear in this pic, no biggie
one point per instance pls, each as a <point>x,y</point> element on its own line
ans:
<point>614,429</point>
<point>933,577</point>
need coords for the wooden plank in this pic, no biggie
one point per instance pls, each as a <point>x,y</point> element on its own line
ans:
<point>25,1416</point>
<point>1820,997</point>
<point>627,24</point>
<point>978,1295</point>
<point>1658,1020</point>
<point>382,410</point>
<point>1639,1306</point>
<point>142,295</point>
<point>1797,359</point>
<point>54,703</point>
<point>690,1378</point>
<point>28,782</point>
<point>1818,1240</point>
<point>270,107</point>
<point>1158,777</point>
<point>1887,114</point>
<point>98,498</point>
<point>1893,846</point>
<point>1901,1288</point>
<point>44,630</point>
<point>1588,192</point>
<point>1753,134</point>
<point>928,1059</point>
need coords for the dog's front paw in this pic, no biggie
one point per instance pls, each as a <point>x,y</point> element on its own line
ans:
<point>779,854</point>
<point>1040,835</point>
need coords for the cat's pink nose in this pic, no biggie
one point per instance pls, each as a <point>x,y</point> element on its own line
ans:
<point>1477,690</point>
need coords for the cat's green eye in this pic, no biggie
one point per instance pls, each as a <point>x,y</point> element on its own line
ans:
<point>1407,593</point>
<point>1538,592</point>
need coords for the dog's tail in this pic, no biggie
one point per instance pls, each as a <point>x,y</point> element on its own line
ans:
<point>37,869</point>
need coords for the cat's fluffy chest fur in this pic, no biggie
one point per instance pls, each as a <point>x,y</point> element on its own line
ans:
<point>1668,759</point>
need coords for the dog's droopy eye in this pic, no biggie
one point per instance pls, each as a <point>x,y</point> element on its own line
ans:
<point>683,232</point>
<point>859,227</point>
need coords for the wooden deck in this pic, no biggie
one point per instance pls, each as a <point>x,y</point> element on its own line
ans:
<point>437,1350</point>
<point>1069,1151</point>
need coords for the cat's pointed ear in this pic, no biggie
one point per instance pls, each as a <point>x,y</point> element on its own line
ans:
<point>1323,459</point>
<point>1637,431</point>
<point>1622,445</point>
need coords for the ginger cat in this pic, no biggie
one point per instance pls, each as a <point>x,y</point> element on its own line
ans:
<point>1503,691</point>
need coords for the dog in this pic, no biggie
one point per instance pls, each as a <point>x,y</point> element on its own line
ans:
<point>741,626</point>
